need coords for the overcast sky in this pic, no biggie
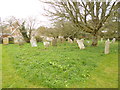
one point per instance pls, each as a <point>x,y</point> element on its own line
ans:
<point>23,9</point>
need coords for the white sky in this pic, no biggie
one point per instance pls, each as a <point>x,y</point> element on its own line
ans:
<point>23,9</point>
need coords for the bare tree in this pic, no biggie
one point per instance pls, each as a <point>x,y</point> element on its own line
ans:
<point>88,16</point>
<point>31,24</point>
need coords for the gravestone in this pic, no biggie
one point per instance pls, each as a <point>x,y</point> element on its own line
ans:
<point>107,47</point>
<point>61,39</point>
<point>75,40</point>
<point>70,40</point>
<point>114,39</point>
<point>5,40</point>
<point>46,44</point>
<point>49,39</point>
<point>101,39</point>
<point>88,41</point>
<point>54,42</point>
<point>33,42</point>
<point>80,44</point>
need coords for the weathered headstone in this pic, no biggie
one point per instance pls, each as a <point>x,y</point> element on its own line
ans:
<point>75,40</point>
<point>101,39</point>
<point>81,44</point>
<point>46,44</point>
<point>33,42</point>
<point>60,39</point>
<point>49,38</point>
<point>70,40</point>
<point>63,40</point>
<point>88,41</point>
<point>107,47</point>
<point>54,42</point>
<point>114,39</point>
<point>5,40</point>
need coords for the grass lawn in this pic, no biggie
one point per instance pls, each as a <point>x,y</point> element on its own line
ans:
<point>0,66</point>
<point>64,66</point>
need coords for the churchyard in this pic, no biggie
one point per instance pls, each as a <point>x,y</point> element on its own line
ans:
<point>61,66</point>
<point>0,66</point>
<point>72,45</point>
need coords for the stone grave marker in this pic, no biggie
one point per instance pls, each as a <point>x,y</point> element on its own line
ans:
<point>101,39</point>
<point>114,39</point>
<point>80,44</point>
<point>107,47</point>
<point>88,42</point>
<point>75,40</point>
<point>61,39</point>
<point>46,44</point>
<point>33,42</point>
<point>54,42</point>
<point>70,40</point>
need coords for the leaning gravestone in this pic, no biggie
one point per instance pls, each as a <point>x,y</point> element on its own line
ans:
<point>54,42</point>
<point>5,40</point>
<point>33,42</point>
<point>107,47</point>
<point>114,39</point>
<point>80,44</point>
<point>70,40</point>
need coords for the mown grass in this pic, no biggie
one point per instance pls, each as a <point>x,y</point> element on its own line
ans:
<point>0,66</point>
<point>10,78</point>
<point>62,66</point>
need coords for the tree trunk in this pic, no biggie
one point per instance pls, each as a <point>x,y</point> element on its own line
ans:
<point>94,40</point>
